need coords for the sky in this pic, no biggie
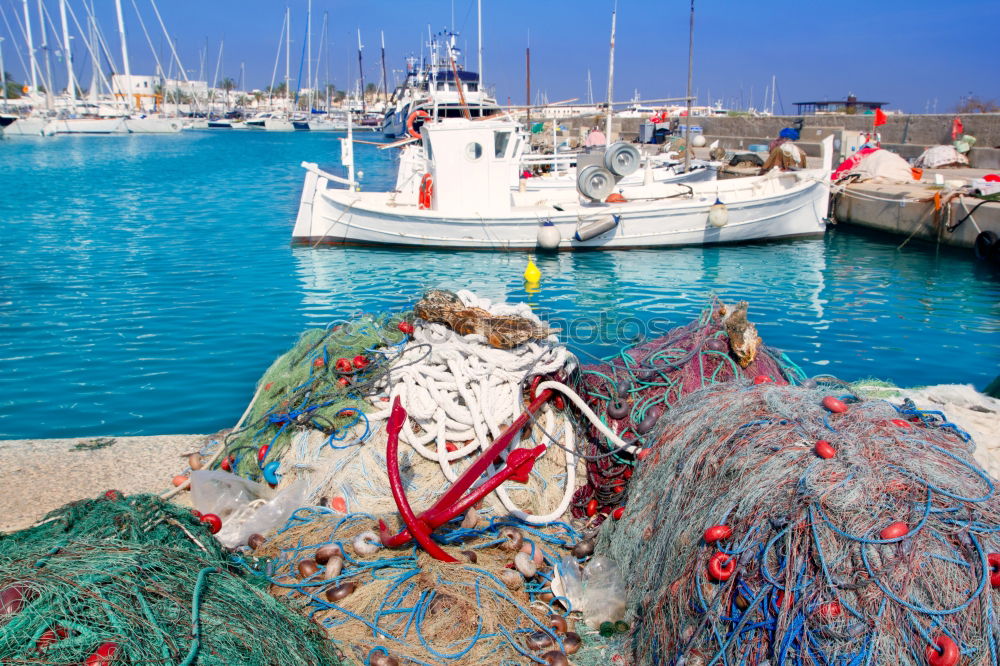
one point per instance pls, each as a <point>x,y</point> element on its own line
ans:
<point>919,56</point>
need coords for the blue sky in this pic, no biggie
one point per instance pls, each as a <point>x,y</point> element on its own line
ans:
<point>907,53</point>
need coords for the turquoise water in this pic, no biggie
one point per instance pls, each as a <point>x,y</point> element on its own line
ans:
<point>146,282</point>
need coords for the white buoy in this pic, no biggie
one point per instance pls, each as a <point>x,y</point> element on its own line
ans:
<point>718,214</point>
<point>548,236</point>
<point>698,141</point>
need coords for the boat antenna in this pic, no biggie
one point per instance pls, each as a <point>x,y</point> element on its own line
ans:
<point>687,125</point>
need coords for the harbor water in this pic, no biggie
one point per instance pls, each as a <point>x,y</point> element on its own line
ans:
<point>146,282</point>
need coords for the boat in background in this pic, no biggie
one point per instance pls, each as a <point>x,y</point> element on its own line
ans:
<point>457,194</point>
<point>271,121</point>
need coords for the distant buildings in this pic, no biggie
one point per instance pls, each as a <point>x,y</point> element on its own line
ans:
<point>849,105</point>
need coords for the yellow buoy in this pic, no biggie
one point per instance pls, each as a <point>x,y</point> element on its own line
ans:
<point>531,273</point>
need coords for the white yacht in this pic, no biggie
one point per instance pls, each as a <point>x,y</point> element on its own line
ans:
<point>271,121</point>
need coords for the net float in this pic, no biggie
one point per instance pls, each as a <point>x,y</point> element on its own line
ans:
<point>104,655</point>
<point>262,453</point>
<point>829,610</point>
<point>113,495</point>
<point>558,623</point>
<point>538,640</point>
<point>835,405</point>
<point>405,327</point>
<point>255,541</point>
<point>339,504</point>
<point>343,365</point>
<point>470,555</point>
<point>333,567</point>
<point>308,568</point>
<point>643,454</point>
<point>894,530</point>
<point>271,472</point>
<point>571,642</point>
<point>383,659</point>
<point>583,548</point>
<point>617,410</point>
<point>555,658</point>
<point>514,539</point>
<point>340,592</point>
<point>194,461</point>
<point>944,652</point>
<point>511,579</point>
<point>717,533</point>
<point>721,567</point>
<point>525,564</point>
<point>179,480</point>
<point>14,597</point>
<point>319,363</point>
<point>324,553</point>
<point>534,553</point>
<point>825,450</point>
<point>592,507</point>
<point>213,521</point>
<point>762,379</point>
<point>471,519</point>
<point>50,636</point>
<point>366,543</point>
<point>648,422</point>
<point>196,513</point>
<point>343,381</point>
<point>617,513</point>
<point>993,560</point>
<point>900,423</point>
<point>559,403</point>
<point>717,344</point>
<point>267,386</point>
<point>226,464</point>
<point>450,447</point>
<point>359,361</point>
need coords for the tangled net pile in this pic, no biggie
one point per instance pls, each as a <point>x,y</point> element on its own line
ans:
<point>405,604</point>
<point>139,581</point>
<point>633,390</point>
<point>771,526</point>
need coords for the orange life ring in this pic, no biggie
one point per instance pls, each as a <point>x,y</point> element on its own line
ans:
<point>25,89</point>
<point>419,113</point>
<point>426,191</point>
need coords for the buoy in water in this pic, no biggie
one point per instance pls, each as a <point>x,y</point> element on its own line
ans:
<point>531,273</point>
<point>718,214</point>
<point>548,236</point>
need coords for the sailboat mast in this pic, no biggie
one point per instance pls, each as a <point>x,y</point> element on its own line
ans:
<point>773,83</point>
<point>288,52</point>
<point>479,20</point>
<point>687,125</point>
<point>45,51</point>
<point>611,73</point>
<point>361,72</point>
<point>385,82</point>
<point>67,53</point>
<point>127,87</point>
<point>309,65</point>
<point>31,47</point>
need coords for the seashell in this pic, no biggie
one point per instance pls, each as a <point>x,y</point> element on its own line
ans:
<point>571,642</point>
<point>255,541</point>
<point>524,564</point>
<point>366,543</point>
<point>558,623</point>
<point>308,568</point>
<point>583,548</point>
<point>471,555</point>
<point>334,566</point>
<point>512,579</point>
<point>471,519</point>
<point>324,553</point>
<point>538,640</point>
<point>555,658</point>
<point>341,591</point>
<point>194,461</point>
<point>514,536</point>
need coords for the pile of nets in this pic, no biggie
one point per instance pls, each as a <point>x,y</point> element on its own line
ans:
<point>404,604</point>
<point>135,580</point>
<point>631,392</point>
<point>804,525</point>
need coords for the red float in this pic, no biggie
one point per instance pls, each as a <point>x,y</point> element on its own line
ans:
<point>900,423</point>
<point>105,655</point>
<point>339,504</point>
<point>267,386</point>
<point>405,327</point>
<point>226,464</point>
<point>993,560</point>
<point>213,521</point>
<point>50,636</point>
<point>762,379</point>
<point>112,495</point>
<point>944,652</point>
<point>591,507</point>
<point>717,533</point>
<point>643,454</point>
<point>179,480</point>
<point>835,405</point>
<point>894,531</point>
<point>196,513</point>
<point>829,610</point>
<point>360,361</point>
<point>344,366</point>
<point>262,453</point>
<point>721,567</point>
<point>319,363</point>
<point>617,513</point>
<point>343,381</point>
<point>824,450</point>
<point>450,447</point>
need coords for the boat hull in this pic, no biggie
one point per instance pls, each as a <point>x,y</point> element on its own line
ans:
<point>89,126</point>
<point>338,216</point>
<point>29,127</point>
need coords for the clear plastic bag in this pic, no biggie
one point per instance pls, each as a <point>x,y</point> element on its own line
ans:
<point>245,507</point>
<point>597,590</point>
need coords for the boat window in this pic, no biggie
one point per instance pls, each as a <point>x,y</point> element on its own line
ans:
<point>472,87</point>
<point>442,85</point>
<point>474,151</point>
<point>500,141</point>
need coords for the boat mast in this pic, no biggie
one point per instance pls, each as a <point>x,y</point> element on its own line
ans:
<point>127,87</point>
<point>774,82</point>
<point>385,83</point>
<point>67,53</point>
<point>3,76</point>
<point>309,62</point>
<point>45,51</point>
<point>95,66</point>
<point>361,72</point>
<point>31,47</point>
<point>288,52</point>
<point>611,73</point>
<point>479,7</point>
<point>687,125</point>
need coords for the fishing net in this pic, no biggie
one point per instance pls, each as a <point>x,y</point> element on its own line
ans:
<point>779,524</point>
<point>631,391</point>
<point>406,604</point>
<point>139,581</point>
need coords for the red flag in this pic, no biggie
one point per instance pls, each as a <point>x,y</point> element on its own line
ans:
<point>956,128</point>
<point>880,118</point>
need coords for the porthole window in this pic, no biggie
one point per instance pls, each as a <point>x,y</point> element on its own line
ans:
<point>474,151</point>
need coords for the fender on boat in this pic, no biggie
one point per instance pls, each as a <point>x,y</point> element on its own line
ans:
<point>597,228</point>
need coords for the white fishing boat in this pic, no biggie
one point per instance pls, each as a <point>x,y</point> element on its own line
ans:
<point>464,200</point>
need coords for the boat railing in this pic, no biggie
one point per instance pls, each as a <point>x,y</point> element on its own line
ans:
<point>314,168</point>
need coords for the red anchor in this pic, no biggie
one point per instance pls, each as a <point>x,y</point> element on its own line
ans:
<point>455,501</point>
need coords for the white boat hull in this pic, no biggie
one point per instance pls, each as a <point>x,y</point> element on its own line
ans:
<point>29,127</point>
<point>89,126</point>
<point>271,125</point>
<point>791,205</point>
<point>153,125</point>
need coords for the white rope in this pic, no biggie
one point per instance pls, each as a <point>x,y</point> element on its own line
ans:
<point>589,413</point>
